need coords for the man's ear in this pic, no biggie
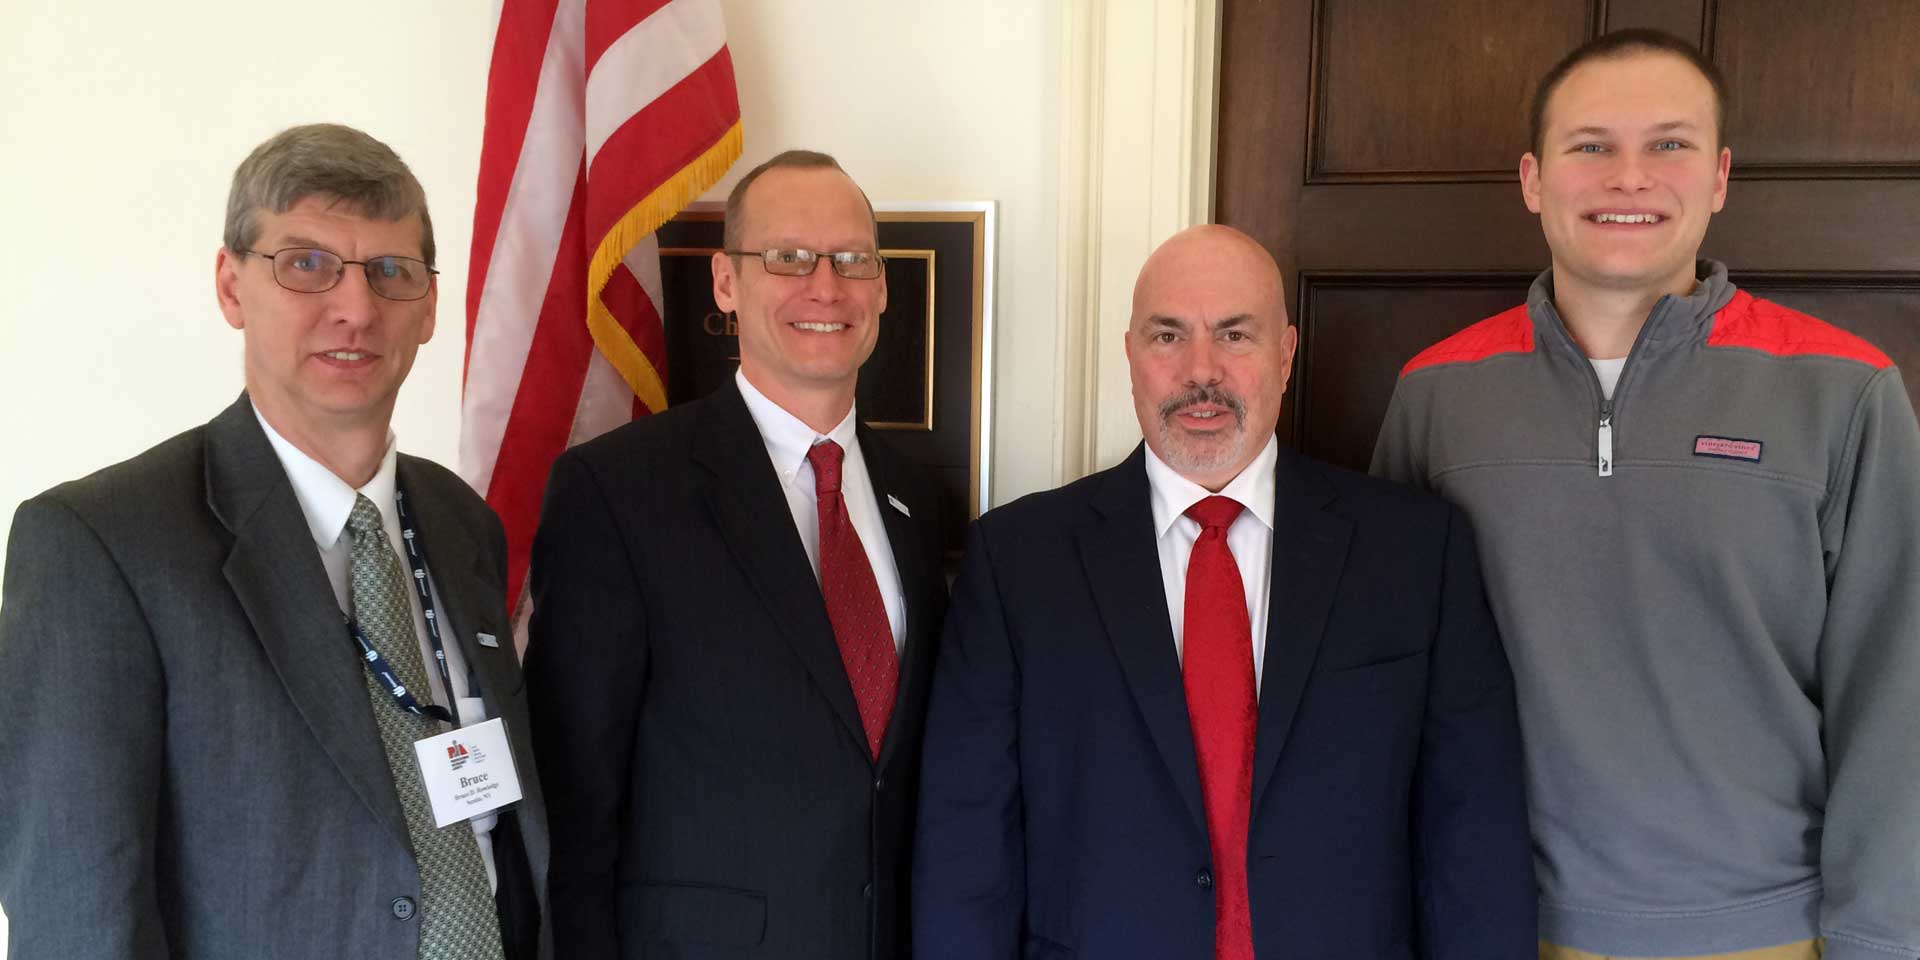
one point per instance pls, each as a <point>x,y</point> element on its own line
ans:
<point>1289,342</point>
<point>433,305</point>
<point>226,282</point>
<point>1720,182</point>
<point>724,279</point>
<point>1530,180</point>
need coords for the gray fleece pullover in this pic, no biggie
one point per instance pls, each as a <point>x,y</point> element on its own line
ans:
<point>1709,589</point>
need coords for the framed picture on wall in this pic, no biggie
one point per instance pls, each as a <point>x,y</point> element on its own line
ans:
<point>930,378</point>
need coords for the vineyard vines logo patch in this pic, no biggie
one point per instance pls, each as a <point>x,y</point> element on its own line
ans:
<point>1727,448</point>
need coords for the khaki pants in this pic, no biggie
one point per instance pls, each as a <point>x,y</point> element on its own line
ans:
<point>1804,950</point>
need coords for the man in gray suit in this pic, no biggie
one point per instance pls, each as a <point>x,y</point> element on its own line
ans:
<point>216,659</point>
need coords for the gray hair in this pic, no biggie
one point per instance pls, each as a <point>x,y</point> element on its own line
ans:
<point>735,227</point>
<point>324,160</point>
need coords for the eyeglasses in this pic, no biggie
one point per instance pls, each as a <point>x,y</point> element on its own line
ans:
<point>306,270</point>
<point>791,262</point>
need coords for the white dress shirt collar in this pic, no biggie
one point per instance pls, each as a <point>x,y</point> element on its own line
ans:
<point>787,441</point>
<point>1249,539</point>
<point>788,438</point>
<point>1172,494</point>
<point>326,500</point>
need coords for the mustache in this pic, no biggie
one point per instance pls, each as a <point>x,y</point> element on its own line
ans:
<point>1199,394</point>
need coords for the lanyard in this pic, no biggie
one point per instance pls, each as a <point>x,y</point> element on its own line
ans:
<point>377,664</point>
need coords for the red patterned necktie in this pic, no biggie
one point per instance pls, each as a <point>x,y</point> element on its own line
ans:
<point>854,608</point>
<point>1217,665</point>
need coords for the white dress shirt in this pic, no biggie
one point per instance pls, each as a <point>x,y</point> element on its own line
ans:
<point>788,440</point>
<point>1250,538</point>
<point>327,501</point>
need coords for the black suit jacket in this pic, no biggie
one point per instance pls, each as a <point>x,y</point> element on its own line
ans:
<point>189,764</point>
<point>712,791</point>
<point>1061,809</point>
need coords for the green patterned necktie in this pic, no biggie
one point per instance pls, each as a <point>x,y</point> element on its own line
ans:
<point>457,918</point>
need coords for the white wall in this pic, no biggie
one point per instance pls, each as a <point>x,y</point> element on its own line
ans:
<point>122,123</point>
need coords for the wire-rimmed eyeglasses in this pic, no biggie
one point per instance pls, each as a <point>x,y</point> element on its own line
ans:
<point>795,262</point>
<point>309,270</point>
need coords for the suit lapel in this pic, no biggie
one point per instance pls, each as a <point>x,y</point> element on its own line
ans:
<point>1309,550</point>
<point>906,537</point>
<point>1123,566</point>
<point>751,511</point>
<point>275,572</point>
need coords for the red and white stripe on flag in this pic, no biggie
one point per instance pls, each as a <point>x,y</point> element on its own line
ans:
<point>604,118</point>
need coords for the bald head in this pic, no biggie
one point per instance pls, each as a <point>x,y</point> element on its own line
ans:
<point>1211,256</point>
<point>1209,350</point>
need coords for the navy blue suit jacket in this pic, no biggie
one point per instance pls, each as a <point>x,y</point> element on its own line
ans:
<point>1060,808</point>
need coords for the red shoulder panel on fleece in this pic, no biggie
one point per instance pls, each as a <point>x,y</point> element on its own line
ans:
<point>1510,331</point>
<point>1747,321</point>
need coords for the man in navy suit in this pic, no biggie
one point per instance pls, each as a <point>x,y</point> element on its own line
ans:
<point>1221,700</point>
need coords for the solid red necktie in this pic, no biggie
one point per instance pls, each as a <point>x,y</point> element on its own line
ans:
<point>854,607</point>
<point>1217,666</point>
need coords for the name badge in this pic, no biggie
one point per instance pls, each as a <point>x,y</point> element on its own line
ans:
<point>468,772</point>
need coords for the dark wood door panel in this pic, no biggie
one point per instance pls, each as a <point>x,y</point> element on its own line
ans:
<point>1829,225</point>
<point>1433,90</point>
<point>1442,226</point>
<point>1682,18</point>
<point>1358,330</point>
<point>1820,89</point>
<point>1260,148</point>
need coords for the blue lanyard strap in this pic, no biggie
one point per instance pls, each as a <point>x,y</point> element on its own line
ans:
<point>377,664</point>
<point>383,672</point>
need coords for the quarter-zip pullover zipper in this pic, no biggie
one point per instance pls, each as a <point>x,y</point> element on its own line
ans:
<point>1604,433</point>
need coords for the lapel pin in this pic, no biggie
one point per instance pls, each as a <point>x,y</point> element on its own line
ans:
<point>897,505</point>
<point>487,640</point>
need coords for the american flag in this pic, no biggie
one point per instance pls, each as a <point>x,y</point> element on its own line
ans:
<point>604,119</point>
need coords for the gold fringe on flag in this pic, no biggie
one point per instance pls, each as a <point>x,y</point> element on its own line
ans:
<point>654,209</point>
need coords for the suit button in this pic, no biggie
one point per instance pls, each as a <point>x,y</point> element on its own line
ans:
<point>879,784</point>
<point>1204,879</point>
<point>402,908</point>
<point>867,891</point>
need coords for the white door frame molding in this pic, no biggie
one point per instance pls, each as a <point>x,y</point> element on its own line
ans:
<point>1139,94</point>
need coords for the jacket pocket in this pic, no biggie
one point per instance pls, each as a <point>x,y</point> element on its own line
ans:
<point>1395,676</point>
<point>700,913</point>
<point>1379,662</point>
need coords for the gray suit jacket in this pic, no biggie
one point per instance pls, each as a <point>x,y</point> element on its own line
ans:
<point>188,763</point>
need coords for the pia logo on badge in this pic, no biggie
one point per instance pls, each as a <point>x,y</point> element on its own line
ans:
<point>457,755</point>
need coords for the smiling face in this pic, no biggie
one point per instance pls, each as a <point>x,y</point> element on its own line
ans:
<point>802,337</point>
<point>1209,351</point>
<point>1630,171</point>
<point>319,364</point>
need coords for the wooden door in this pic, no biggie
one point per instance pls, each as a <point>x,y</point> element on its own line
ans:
<point>1373,146</point>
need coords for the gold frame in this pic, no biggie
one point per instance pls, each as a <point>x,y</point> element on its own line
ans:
<point>978,219</point>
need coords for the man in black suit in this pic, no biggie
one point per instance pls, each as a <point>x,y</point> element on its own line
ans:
<point>1221,700</point>
<point>735,609</point>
